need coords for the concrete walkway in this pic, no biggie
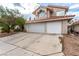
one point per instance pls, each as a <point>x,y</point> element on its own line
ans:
<point>30,44</point>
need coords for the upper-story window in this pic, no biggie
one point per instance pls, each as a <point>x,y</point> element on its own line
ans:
<point>51,12</point>
<point>41,13</point>
<point>60,13</point>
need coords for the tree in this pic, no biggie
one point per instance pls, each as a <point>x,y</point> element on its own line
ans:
<point>20,21</point>
<point>8,17</point>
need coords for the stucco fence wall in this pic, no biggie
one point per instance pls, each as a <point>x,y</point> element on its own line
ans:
<point>76,28</point>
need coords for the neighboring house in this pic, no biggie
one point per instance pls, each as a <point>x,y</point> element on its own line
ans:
<point>76,26</point>
<point>50,19</point>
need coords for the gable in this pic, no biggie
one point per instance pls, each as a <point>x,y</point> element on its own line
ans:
<point>51,8</point>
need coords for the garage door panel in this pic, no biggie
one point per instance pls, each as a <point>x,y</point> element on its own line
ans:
<point>54,27</point>
<point>37,27</point>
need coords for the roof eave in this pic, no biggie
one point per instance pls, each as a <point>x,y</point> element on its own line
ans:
<point>53,20</point>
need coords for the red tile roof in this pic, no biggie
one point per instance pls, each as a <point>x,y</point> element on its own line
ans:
<point>60,7</point>
<point>53,18</point>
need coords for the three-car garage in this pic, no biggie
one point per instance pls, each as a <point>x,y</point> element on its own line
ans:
<point>53,27</point>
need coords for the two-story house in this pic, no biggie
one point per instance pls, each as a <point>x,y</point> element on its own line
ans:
<point>49,19</point>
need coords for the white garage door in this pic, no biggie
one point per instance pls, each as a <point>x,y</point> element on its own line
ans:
<point>54,27</point>
<point>38,27</point>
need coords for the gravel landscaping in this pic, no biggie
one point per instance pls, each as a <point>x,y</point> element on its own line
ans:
<point>71,45</point>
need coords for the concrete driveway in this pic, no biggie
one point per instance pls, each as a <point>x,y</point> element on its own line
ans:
<point>30,44</point>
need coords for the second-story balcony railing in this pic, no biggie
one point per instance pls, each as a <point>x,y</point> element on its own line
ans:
<point>51,17</point>
<point>56,17</point>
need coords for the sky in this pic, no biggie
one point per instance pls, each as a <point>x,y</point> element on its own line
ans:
<point>73,8</point>
<point>24,8</point>
<point>28,8</point>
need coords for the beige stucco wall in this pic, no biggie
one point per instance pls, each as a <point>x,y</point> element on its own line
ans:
<point>64,27</point>
<point>76,28</point>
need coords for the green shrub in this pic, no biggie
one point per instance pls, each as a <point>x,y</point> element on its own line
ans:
<point>20,21</point>
<point>5,27</point>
